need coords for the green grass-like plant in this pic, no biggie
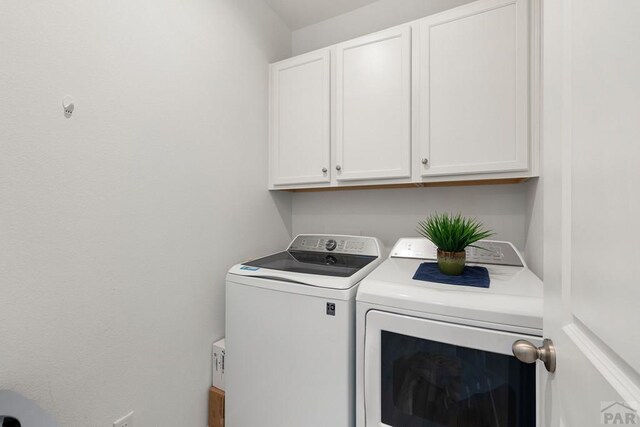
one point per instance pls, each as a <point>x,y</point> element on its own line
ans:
<point>453,233</point>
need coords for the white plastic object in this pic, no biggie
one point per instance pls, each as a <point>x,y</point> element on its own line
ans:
<point>68,105</point>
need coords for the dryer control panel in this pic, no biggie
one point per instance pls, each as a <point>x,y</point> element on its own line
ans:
<point>351,245</point>
<point>488,251</point>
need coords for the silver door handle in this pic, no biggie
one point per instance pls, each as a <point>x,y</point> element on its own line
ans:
<point>324,170</point>
<point>425,161</point>
<point>338,167</point>
<point>526,352</point>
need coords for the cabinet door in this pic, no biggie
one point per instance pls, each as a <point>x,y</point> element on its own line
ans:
<point>373,96</point>
<point>300,120</point>
<point>473,104</point>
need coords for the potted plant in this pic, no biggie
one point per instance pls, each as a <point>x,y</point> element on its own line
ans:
<point>451,235</point>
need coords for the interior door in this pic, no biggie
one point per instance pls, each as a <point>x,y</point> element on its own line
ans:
<point>373,100</point>
<point>300,115</point>
<point>473,93</point>
<point>591,202</point>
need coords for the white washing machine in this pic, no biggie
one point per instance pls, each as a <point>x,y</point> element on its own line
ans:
<point>290,333</point>
<point>432,354</point>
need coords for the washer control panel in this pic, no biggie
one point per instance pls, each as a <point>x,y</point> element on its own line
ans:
<point>352,245</point>
<point>487,252</point>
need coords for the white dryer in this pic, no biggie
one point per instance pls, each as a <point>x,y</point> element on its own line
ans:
<point>290,333</point>
<point>432,354</point>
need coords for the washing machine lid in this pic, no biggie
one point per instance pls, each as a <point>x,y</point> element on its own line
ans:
<point>513,298</point>
<point>328,261</point>
<point>335,265</point>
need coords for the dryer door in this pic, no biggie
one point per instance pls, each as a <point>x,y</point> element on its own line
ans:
<point>424,373</point>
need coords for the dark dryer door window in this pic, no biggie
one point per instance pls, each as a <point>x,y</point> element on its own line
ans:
<point>426,383</point>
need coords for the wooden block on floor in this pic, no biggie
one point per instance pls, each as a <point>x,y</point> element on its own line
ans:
<point>216,407</point>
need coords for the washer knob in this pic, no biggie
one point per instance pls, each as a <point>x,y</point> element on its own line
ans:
<point>330,245</point>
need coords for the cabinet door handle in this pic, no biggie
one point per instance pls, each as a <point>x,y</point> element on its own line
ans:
<point>324,170</point>
<point>338,167</point>
<point>425,161</point>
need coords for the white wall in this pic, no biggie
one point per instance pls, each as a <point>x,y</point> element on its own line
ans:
<point>394,213</point>
<point>373,17</point>
<point>534,226</point>
<point>117,226</point>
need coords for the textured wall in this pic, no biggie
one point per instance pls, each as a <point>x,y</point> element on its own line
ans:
<point>534,227</point>
<point>117,226</point>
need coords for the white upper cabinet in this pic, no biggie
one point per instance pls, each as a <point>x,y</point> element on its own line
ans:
<point>473,114</point>
<point>373,106</point>
<point>452,97</point>
<point>300,120</point>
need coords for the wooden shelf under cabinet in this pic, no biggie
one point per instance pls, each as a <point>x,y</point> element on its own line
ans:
<point>411,185</point>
